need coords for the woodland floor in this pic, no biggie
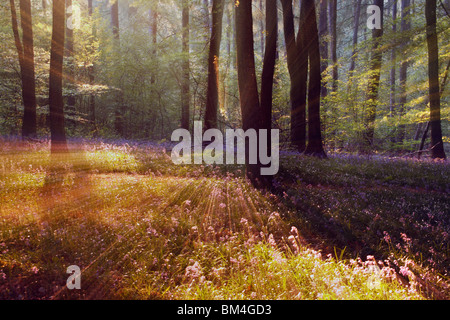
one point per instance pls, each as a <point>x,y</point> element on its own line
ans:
<point>139,227</point>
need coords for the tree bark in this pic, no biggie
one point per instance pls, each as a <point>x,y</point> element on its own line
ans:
<point>297,60</point>
<point>267,79</point>
<point>185,86</point>
<point>355,36</point>
<point>374,83</point>
<point>393,77</point>
<point>315,145</point>
<point>323,35</point>
<point>25,50</point>
<point>70,74</point>
<point>115,19</point>
<point>333,36</point>
<point>91,75</point>
<point>248,87</point>
<point>58,135</point>
<point>437,145</point>
<point>405,27</point>
<point>212,95</point>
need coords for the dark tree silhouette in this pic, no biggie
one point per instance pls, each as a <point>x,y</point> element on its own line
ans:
<point>25,50</point>
<point>212,96</point>
<point>297,60</point>
<point>437,145</point>
<point>315,145</point>
<point>57,130</point>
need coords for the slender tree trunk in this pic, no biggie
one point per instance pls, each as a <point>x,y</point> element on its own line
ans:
<point>58,135</point>
<point>405,27</point>
<point>212,96</point>
<point>297,60</point>
<point>154,34</point>
<point>437,144</point>
<point>315,145</point>
<point>355,36</point>
<point>119,122</point>
<point>333,35</point>
<point>69,48</point>
<point>374,82</point>
<point>248,87</point>
<point>323,35</point>
<point>91,75</point>
<point>392,99</point>
<point>25,50</point>
<point>268,72</point>
<point>185,86</point>
<point>115,19</point>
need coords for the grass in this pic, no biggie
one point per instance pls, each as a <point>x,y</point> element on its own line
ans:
<point>141,228</point>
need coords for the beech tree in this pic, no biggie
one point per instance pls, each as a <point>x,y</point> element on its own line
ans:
<point>297,61</point>
<point>374,82</point>
<point>255,115</point>
<point>315,144</point>
<point>25,50</point>
<point>185,66</point>
<point>437,145</point>
<point>57,127</point>
<point>404,28</point>
<point>212,95</point>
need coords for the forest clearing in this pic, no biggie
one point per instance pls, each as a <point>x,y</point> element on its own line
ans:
<point>141,227</point>
<point>224,150</point>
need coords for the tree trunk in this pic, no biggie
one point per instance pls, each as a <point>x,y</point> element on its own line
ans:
<point>333,36</point>
<point>58,135</point>
<point>248,88</point>
<point>355,36</point>
<point>374,83</point>
<point>25,50</point>
<point>185,86</point>
<point>119,123</point>
<point>405,27</point>
<point>437,145</point>
<point>154,34</point>
<point>297,60</point>
<point>115,19</point>
<point>323,35</point>
<point>315,145</point>
<point>70,74</point>
<point>212,95</point>
<point>393,57</point>
<point>268,72</point>
<point>91,75</point>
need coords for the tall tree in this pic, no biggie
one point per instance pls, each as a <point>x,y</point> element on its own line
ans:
<point>267,78</point>
<point>374,82</point>
<point>119,112</point>
<point>25,50</point>
<point>154,33</point>
<point>323,37</point>
<point>404,28</point>
<point>91,76</point>
<point>185,86</point>
<point>297,61</point>
<point>115,19</point>
<point>333,46</point>
<point>212,96</point>
<point>57,130</point>
<point>357,16</point>
<point>315,145</point>
<point>393,76</point>
<point>69,48</point>
<point>437,145</point>
<point>255,115</point>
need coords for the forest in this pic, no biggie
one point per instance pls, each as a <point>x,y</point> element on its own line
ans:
<point>346,101</point>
